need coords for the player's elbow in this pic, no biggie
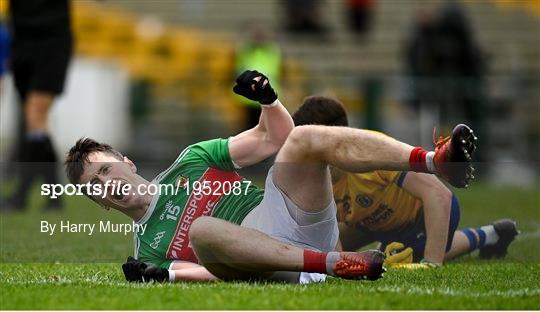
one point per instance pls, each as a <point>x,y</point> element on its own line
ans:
<point>444,196</point>
<point>274,143</point>
<point>435,193</point>
<point>278,138</point>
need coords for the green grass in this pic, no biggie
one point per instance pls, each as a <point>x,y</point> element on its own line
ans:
<point>82,272</point>
<point>457,286</point>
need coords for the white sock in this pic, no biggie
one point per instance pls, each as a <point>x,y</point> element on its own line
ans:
<point>331,259</point>
<point>429,162</point>
<point>491,235</point>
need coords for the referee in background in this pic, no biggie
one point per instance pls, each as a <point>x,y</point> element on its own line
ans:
<point>40,53</point>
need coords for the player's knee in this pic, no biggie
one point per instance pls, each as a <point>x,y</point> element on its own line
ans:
<point>302,140</point>
<point>301,135</point>
<point>201,230</point>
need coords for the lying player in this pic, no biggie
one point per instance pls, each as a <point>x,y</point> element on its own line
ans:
<point>289,227</point>
<point>413,215</point>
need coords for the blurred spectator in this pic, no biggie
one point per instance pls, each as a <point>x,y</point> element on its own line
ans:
<point>303,16</point>
<point>360,15</point>
<point>4,44</point>
<point>448,66</point>
<point>457,50</point>
<point>420,56</point>
<point>261,54</point>
<point>461,65</point>
<point>41,50</point>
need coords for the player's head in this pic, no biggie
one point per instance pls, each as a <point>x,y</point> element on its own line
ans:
<point>89,161</point>
<point>321,110</point>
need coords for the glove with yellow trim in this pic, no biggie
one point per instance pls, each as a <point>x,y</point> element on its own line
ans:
<point>397,254</point>
<point>411,266</point>
<point>424,264</point>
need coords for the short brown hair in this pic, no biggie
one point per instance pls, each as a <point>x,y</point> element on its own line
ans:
<point>321,110</point>
<point>77,157</point>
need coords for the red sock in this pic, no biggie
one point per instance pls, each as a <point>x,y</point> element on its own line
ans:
<point>417,160</point>
<point>314,261</point>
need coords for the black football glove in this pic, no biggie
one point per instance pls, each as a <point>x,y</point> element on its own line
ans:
<point>134,269</point>
<point>137,271</point>
<point>154,273</point>
<point>260,91</point>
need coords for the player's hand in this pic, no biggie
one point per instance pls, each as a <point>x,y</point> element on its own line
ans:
<point>134,269</point>
<point>137,271</point>
<point>424,264</point>
<point>256,87</point>
<point>396,253</point>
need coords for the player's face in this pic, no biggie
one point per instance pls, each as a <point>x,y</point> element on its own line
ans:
<point>109,171</point>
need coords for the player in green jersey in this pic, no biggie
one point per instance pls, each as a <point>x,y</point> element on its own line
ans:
<point>218,225</point>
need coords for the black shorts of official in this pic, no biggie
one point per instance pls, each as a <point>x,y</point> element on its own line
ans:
<point>40,64</point>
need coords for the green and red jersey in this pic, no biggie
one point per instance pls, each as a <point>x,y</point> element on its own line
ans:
<point>205,183</point>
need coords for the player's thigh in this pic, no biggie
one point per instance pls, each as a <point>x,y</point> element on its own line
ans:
<point>300,174</point>
<point>455,216</point>
<point>307,184</point>
<point>227,273</point>
<point>212,241</point>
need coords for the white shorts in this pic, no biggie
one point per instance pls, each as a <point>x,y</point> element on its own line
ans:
<point>273,218</point>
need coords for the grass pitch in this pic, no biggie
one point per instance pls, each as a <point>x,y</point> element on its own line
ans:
<point>77,271</point>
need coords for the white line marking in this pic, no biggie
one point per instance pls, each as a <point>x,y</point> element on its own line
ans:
<point>414,290</point>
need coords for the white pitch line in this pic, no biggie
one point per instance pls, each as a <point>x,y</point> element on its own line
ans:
<point>414,290</point>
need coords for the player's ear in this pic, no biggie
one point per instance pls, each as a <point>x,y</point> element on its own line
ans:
<point>131,164</point>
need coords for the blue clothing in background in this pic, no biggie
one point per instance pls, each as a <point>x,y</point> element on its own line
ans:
<point>4,48</point>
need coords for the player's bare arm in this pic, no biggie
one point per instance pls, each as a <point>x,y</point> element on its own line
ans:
<point>275,124</point>
<point>437,199</point>
<point>195,274</point>
<point>184,271</point>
